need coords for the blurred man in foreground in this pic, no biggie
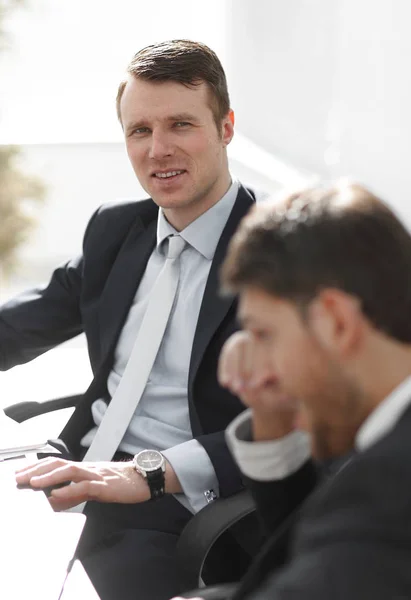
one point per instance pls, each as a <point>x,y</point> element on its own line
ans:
<point>325,303</point>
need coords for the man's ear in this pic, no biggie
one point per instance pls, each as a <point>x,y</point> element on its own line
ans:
<point>336,319</point>
<point>228,127</point>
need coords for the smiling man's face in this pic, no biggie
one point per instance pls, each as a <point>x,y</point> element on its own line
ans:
<point>175,147</point>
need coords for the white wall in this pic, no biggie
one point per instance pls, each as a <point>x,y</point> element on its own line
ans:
<point>327,84</point>
<point>280,65</point>
<point>373,96</point>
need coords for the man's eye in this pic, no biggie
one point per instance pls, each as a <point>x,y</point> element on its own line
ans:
<point>262,336</point>
<point>140,130</point>
<point>180,124</point>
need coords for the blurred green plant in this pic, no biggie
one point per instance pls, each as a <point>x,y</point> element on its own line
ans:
<point>18,195</point>
<point>19,192</point>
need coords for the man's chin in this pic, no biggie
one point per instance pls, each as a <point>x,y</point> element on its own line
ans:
<point>168,201</point>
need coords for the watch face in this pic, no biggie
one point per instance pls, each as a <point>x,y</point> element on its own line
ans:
<point>149,460</point>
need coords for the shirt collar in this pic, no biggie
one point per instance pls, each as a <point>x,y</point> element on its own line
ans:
<point>384,418</point>
<point>203,233</point>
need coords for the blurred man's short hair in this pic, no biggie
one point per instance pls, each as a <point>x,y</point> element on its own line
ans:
<point>341,236</point>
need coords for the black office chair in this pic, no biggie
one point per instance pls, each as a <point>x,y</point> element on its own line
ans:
<point>226,527</point>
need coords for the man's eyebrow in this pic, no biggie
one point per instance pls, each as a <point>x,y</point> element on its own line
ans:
<point>182,117</point>
<point>185,116</point>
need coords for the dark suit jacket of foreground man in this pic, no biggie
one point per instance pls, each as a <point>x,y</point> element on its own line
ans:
<point>93,293</point>
<point>352,538</point>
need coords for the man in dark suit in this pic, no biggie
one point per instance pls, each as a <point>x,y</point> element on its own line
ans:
<point>174,109</point>
<point>325,302</point>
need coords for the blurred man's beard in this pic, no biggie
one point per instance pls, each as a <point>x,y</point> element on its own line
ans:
<point>334,441</point>
<point>333,407</point>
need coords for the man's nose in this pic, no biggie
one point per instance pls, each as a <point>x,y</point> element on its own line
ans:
<point>160,146</point>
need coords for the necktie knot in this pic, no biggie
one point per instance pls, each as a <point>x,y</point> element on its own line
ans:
<point>176,245</point>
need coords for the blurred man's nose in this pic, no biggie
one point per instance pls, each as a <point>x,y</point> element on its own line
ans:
<point>160,145</point>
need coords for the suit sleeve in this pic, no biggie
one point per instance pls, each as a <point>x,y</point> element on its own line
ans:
<point>353,538</point>
<point>37,320</point>
<point>286,493</point>
<point>279,472</point>
<point>229,477</point>
<point>357,571</point>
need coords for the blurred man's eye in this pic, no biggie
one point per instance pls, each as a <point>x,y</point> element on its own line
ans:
<point>262,335</point>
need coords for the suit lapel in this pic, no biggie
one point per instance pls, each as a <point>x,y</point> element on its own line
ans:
<point>122,283</point>
<point>214,306</point>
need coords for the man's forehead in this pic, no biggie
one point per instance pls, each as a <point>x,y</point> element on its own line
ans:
<point>257,307</point>
<point>142,88</point>
<point>161,98</point>
<point>251,302</point>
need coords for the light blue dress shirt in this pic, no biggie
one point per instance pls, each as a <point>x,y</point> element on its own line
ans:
<point>161,420</point>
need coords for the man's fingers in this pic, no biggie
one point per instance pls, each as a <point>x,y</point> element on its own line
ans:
<point>76,493</point>
<point>105,482</point>
<point>43,462</point>
<point>235,364</point>
<point>241,362</point>
<point>114,488</point>
<point>225,363</point>
<point>40,468</point>
<point>72,495</point>
<point>52,474</point>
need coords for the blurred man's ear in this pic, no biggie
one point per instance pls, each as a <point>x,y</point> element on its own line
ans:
<point>336,319</point>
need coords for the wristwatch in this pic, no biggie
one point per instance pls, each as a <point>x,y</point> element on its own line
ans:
<point>151,465</point>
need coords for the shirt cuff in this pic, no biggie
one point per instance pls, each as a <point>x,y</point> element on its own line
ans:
<point>268,460</point>
<point>195,472</point>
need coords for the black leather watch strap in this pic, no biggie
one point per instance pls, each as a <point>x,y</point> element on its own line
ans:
<point>156,483</point>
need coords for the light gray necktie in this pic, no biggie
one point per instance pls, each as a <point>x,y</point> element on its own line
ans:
<point>133,382</point>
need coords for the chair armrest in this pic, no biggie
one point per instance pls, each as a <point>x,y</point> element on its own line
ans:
<point>26,410</point>
<point>204,529</point>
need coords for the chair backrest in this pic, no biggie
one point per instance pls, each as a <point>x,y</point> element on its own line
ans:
<point>219,543</point>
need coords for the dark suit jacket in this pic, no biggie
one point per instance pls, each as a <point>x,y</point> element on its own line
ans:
<point>352,539</point>
<point>93,294</point>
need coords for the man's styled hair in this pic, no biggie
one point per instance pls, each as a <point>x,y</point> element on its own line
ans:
<point>186,62</point>
<point>341,237</point>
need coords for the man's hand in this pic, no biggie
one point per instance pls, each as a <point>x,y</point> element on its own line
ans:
<point>245,372</point>
<point>104,482</point>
